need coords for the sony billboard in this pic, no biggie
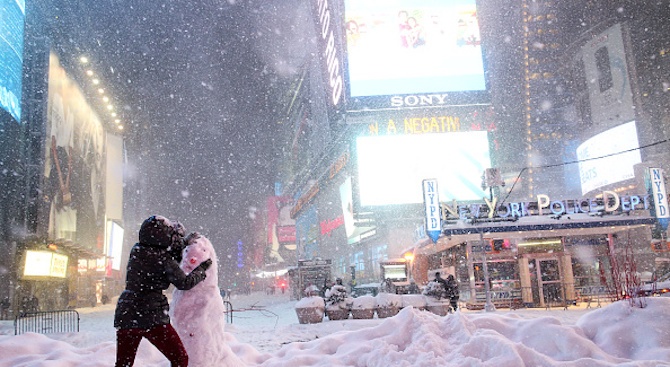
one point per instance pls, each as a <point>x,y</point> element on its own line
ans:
<point>413,54</point>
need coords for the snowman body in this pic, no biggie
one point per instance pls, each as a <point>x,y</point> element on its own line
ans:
<point>199,314</point>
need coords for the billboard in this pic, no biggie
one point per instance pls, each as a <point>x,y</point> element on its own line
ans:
<point>114,163</point>
<point>388,175</point>
<point>45,264</point>
<point>329,42</point>
<point>73,184</point>
<point>596,172</point>
<point>307,233</point>
<point>413,53</point>
<point>114,243</point>
<point>603,78</point>
<point>281,237</point>
<point>12,15</point>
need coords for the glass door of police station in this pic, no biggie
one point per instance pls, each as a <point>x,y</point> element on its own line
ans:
<point>545,280</point>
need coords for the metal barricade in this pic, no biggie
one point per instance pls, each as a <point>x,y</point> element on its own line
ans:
<point>554,295</point>
<point>594,293</point>
<point>500,298</point>
<point>229,311</point>
<point>45,322</point>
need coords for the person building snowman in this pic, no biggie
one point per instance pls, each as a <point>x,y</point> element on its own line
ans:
<point>142,308</point>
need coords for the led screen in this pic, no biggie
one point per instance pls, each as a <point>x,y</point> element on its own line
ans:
<point>45,263</point>
<point>115,244</point>
<point>391,167</point>
<point>597,172</point>
<point>38,263</point>
<point>412,46</point>
<point>394,272</point>
<point>12,14</point>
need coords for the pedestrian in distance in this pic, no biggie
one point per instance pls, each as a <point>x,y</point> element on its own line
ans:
<point>142,308</point>
<point>452,292</point>
<point>413,288</point>
<point>4,308</point>
<point>441,281</point>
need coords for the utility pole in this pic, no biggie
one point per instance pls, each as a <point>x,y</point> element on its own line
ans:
<point>488,306</point>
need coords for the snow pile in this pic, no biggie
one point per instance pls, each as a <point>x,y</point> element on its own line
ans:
<point>414,300</point>
<point>616,335</point>
<point>364,303</point>
<point>630,332</point>
<point>417,338</point>
<point>311,302</point>
<point>389,300</point>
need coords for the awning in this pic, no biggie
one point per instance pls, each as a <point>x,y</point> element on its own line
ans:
<point>79,250</point>
<point>573,225</point>
<point>271,274</point>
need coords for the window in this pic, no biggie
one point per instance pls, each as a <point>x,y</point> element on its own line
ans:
<point>604,69</point>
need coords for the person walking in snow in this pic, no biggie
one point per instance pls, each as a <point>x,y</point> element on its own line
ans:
<point>441,281</point>
<point>413,288</point>
<point>452,292</point>
<point>142,308</point>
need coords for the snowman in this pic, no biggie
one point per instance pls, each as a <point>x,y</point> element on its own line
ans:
<point>198,314</point>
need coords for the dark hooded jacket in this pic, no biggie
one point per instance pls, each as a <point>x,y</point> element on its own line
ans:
<point>151,269</point>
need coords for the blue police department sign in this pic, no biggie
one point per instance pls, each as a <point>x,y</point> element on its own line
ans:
<point>659,196</point>
<point>431,203</point>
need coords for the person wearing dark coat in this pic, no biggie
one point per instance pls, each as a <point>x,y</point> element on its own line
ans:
<point>142,308</point>
<point>442,281</point>
<point>452,292</point>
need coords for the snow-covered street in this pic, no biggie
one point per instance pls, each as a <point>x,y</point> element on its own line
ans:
<point>265,332</point>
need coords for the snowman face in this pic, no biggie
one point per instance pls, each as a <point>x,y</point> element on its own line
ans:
<point>195,253</point>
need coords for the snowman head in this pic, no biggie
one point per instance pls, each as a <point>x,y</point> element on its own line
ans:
<point>198,249</point>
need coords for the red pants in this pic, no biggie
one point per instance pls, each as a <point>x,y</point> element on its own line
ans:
<point>163,337</point>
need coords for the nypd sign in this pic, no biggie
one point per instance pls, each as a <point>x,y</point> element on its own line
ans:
<point>432,206</point>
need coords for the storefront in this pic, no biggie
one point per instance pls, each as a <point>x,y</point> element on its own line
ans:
<point>539,261</point>
<point>49,277</point>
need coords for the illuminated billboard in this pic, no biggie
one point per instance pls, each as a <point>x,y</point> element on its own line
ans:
<point>410,53</point>
<point>12,14</point>
<point>391,168</point>
<point>114,243</point>
<point>45,264</point>
<point>73,184</point>
<point>596,172</point>
<point>327,15</point>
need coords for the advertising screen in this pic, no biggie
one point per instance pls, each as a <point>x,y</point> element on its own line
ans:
<point>409,47</point>
<point>391,168</point>
<point>115,244</point>
<point>45,264</point>
<point>12,14</point>
<point>596,172</point>
<point>74,179</point>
